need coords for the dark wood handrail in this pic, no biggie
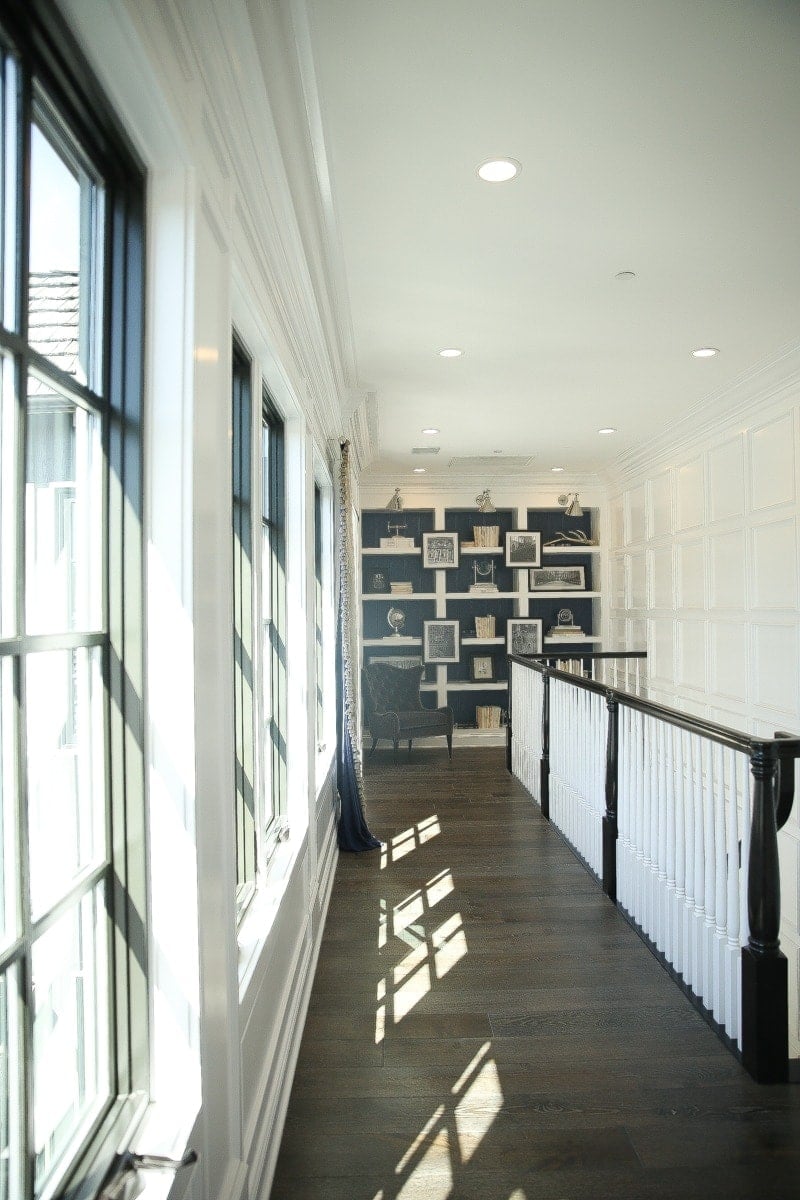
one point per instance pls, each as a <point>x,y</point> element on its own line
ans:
<point>725,736</point>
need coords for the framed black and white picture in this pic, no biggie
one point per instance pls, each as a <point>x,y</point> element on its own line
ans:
<point>440,550</point>
<point>558,579</point>
<point>481,668</point>
<point>523,548</point>
<point>524,635</point>
<point>440,641</point>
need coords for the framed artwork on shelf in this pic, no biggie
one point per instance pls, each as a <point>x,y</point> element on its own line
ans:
<point>440,641</point>
<point>558,579</point>
<point>523,548</point>
<point>524,635</point>
<point>481,668</point>
<point>440,550</point>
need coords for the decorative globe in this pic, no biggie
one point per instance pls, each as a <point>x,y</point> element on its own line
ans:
<point>396,619</point>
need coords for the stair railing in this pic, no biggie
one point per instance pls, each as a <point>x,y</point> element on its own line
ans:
<point>677,817</point>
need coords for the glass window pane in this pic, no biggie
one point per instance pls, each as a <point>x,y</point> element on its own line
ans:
<point>9,484</point>
<point>8,192</point>
<point>65,761</point>
<point>11,1157</point>
<point>63,514</point>
<point>65,309</point>
<point>8,825</point>
<point>70,1032</point>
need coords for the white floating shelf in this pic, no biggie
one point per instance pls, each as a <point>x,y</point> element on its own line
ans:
<point>484,595</point>
<point>481,549</point>
<point>393,641</point>
<point>398,597</point>
<point>496,641</point>
<point>574,594</point>
<point>576,549</point>
<point>388,553</point>
<point>462,686</point>
<point>576,641</point>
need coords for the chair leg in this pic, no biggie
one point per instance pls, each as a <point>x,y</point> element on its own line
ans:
<point>409,745</point>
<point>449,737</point>
<point>396,744</point>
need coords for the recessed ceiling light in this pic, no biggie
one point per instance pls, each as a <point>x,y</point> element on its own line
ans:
<point>705,352</point>
<point>419,470</point>
<point>625,276</point>
<point>556,468</point>
<point>499,170</point>
<point>431,430</point>
<point>451,352</point>
<point>607,429</point>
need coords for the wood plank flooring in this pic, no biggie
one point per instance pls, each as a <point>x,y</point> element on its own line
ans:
<point>484,1025</point>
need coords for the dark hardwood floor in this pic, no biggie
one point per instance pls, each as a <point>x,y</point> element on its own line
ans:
<point>484,1025</point>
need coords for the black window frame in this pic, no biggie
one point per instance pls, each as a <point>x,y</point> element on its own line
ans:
<point>36,36</point>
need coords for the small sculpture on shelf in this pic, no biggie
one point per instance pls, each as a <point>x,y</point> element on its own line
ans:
<point>396,619</point>
<point>574,538</point>
<point>565,626</point>
<point>483,576</point>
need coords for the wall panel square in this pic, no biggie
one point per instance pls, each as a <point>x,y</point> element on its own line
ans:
<point>772,463</point>
<point>775,651</point>
<point>728,659</point>
<point>636,515</point>
<point>660,505</point>
<point>728,560</point>
<point>691,575</point>
<point>774,580</point>
<point>689,494</point>
<point>726,480</point>
<point>661,578</point>
<point>691,654</point>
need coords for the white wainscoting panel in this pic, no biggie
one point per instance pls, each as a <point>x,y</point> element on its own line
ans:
<point>616,522</point>
<point>690,495</point>
<point>635,526</point>
<point>660,515</point>
<point>772,458</point>
<point>775,650</point>
<point>692,654</point>
<point>660,649</point>
<point>726,490</point>
<point>638,580</point>
<point>691,574</point>
<point>774,564</point>
<point>728,644</point>
<point>728,561</point>
<point>661,577</point>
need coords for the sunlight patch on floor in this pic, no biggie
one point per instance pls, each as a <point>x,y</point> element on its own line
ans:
<point>450,945</point>
<point>427,1129</point>
<point>477,1108</point>
<point>440,886</point>
<point>411,991</point>
<point>409,840</point>
<point>380,1012</point>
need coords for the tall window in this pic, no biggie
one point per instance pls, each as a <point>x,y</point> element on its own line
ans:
<point>273,615</point>
<point>243,700</point>
<point>319,639</point>
<point>72,904</point>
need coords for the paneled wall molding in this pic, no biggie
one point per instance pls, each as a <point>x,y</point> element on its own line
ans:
<point>771,383</point>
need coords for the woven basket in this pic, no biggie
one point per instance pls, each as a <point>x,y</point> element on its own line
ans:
<point>487,716</point>
<point>486,535</point>
<point>484,627</point>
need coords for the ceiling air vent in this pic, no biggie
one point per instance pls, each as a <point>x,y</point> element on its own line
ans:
<point>496,463</point>
<point>424,449</point>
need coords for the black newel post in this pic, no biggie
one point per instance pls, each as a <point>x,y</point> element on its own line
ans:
<point>610,818</point>
<point>544,765</point>
<point>765,1023</point>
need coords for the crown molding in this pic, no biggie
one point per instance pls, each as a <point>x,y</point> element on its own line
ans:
<point>768,383</point>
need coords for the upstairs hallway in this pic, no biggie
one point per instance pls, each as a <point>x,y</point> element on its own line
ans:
<point>485,1025</point>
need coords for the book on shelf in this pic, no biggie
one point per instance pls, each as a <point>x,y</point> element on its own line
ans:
<point>566,631</point>
<point>403,588</point>
<point>483,587</point>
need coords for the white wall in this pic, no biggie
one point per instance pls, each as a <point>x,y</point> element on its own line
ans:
<point>224,249</point>
<point>705,562</point>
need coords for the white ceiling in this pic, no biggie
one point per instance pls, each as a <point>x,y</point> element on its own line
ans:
<point>655,136</point>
